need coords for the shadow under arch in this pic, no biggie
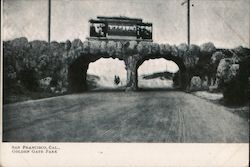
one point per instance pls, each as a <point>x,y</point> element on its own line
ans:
<point>77,71</point>
<point>182,76</point>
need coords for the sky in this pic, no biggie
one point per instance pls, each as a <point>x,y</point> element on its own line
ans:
<point>223,22</point>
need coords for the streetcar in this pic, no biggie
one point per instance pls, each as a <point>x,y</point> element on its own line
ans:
<point>120,28</point>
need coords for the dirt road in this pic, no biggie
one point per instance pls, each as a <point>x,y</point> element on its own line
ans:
<point>151,116</point>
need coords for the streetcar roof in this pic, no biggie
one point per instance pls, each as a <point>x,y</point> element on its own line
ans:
<point>119,20</point>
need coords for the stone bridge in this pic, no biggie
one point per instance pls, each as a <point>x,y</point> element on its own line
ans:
<point>66,63</point>
<point>61,67</point>
<point>80,54</point>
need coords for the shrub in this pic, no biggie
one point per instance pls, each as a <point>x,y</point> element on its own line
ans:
<point>28,78</point>
<point>236,90</point>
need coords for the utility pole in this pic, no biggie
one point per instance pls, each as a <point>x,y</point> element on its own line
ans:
<point>188,20</point>
<point>49,19</point>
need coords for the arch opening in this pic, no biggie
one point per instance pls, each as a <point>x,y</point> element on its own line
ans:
<point>106,73</point>
<point>86,74</point>
<point>159,73</point>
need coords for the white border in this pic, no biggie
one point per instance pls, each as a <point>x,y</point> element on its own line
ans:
<point>133,155</point>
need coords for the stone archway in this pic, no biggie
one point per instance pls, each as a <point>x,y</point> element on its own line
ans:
<point>182,69</point>
<point>133,53</point>
<point>134,62</point>
<point>158,74</point>
<point>77,72</point>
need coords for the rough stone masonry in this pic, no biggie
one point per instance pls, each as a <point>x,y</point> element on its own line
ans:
<point>63,66</point>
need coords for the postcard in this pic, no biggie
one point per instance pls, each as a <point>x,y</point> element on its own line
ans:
<point>125,83</point>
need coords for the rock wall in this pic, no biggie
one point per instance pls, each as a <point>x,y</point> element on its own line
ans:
<point>62,67</point>
<point>28,64</point>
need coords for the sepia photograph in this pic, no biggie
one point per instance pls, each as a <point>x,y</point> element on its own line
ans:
<point>163,71</point>
<point>158,78</point>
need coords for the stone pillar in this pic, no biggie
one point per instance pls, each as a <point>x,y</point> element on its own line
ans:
<point>131,67</point>
<point>184,80</point>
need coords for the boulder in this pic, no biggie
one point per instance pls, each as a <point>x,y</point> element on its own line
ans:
<point>77,43</point>
<point>183,49</point>
<point>111,48</point>
<point>213,88</point>
<point>67,45</point>
<point>86,47</point>
<point>63,90</point>
<point>54,45</point>
<point>45,82</point>
<point>20,42</point>
<point>130,47</point>
<point>233,71</point>
<point>222,70</point>
<point>241,51</point>
<point>216,57</point>
<point>227,70</point>
<point>190,60</point>
<point>119,48</point>
<point>94,47</point>
<point>195,83</point>
<point>204,84</point>
<point>144,48</point>
<point>155,48</point>
<point>213,65</point>
<point>165,49</point>
<point>208,48</point>
<point>174,51</point>
<point>52,89</point>
<point>194,50</point>
<point>39,46</point>
<point>11,73</point>
<point>191,56</point>
<point>103,47</point>
<point>235,59</point>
